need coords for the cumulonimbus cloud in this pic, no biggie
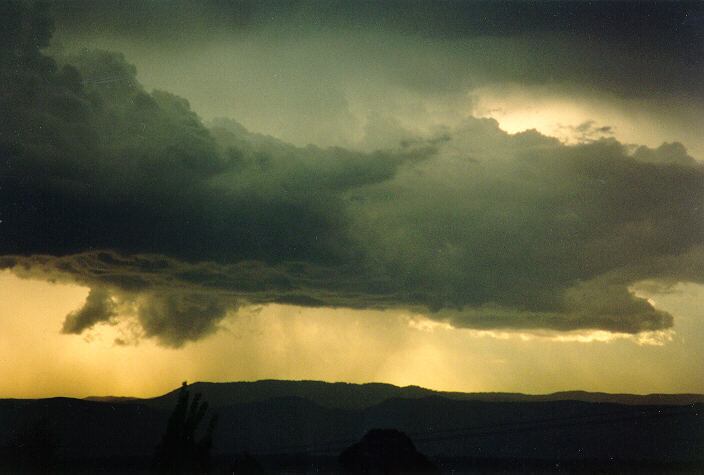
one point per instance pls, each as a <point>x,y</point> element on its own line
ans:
<point>129,193</point>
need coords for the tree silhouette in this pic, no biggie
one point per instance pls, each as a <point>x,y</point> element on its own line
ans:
<point>180,450</point>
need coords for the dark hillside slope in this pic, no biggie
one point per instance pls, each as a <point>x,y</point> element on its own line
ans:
<point>546,430</point>
<point>561,430</point>
<point>338,395</point>
<point>78,428</point>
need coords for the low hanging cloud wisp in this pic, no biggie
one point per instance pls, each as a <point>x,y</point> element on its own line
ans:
<point>129,193</point>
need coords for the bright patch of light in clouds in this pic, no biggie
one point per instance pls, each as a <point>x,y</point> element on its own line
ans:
<point>577,117</point>
<point>658,338</point>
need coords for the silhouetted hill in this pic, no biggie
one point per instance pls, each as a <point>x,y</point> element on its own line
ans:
<point>112,398</point>
<point>630,399</point>
<point>359,396</point>
<point>337,395</point>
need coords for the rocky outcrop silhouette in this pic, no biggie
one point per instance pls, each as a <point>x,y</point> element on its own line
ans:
<point>385,451</point>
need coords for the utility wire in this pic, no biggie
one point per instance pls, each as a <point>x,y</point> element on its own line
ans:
<point>495,429</point>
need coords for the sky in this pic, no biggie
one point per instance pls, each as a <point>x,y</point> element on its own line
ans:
<point>469,196</point>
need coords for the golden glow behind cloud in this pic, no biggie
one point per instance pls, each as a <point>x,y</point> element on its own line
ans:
<point>558,112</point>
<point>287,342</point>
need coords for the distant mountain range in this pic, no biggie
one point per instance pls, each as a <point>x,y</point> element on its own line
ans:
<point>360,396</point>
<point>320,419</point>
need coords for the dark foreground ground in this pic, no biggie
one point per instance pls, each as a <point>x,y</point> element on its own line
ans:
<point>311,464</point>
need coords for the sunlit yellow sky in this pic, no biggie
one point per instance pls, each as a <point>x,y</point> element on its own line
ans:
<point>458,267</point>
<point>287,342</point>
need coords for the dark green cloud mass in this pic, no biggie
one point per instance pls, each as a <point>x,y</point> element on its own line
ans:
<point>128,192</point>
<point>629,48</point>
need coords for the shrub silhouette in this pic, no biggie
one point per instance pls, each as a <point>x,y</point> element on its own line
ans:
<point>180,450</point>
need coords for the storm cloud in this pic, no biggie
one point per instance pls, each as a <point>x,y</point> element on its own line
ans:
<point>366,75</point>
<point>98,308</point>
<point>175,222</point>
<point>631,48</point>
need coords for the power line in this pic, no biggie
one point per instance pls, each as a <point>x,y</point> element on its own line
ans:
<point>495,429</point>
